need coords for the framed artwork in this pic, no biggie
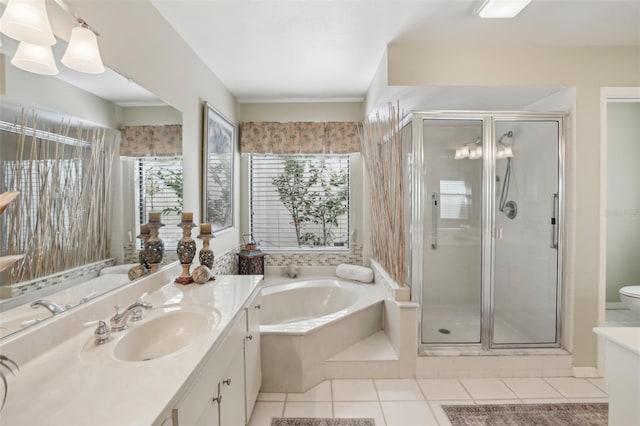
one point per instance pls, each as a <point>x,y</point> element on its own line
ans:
<point>218,148</point>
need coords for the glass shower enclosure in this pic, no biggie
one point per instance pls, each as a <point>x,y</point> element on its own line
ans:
<point>486,228</point>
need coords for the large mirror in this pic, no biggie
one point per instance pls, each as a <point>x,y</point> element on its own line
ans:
<point>92,156</point>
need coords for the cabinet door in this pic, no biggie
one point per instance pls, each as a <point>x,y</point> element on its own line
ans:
<point>252,353</point>
<point>199,405</point>
<point>209,417</point>
<point>232,404</point>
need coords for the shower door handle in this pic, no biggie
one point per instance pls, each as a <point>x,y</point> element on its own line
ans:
<point>435,212</point>
<point>554,221</point>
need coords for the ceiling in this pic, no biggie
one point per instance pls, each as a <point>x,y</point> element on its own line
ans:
<point>270,51</point>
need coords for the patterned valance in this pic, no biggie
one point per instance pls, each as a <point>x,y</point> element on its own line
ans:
<point>151,141</point>
<point>300,137</point>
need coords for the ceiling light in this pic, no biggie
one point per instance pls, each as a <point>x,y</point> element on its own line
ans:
<point>27,21</point>
<point>502,8</point>
<point>35,58</point>
<point>82,53</point>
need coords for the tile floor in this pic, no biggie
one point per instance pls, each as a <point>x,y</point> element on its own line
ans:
<point>621,318</point>
<point>407,402</point>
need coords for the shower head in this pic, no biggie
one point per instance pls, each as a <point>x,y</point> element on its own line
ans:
<point>509,134</point>
<point>504,151</point>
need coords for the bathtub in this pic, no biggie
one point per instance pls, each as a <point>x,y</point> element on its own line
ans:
<point>306,322</point>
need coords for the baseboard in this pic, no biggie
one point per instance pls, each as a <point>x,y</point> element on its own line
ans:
<point>585,372</point>
<point>615,305</point>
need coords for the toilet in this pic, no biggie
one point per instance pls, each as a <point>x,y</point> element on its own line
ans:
<point>630,297</point>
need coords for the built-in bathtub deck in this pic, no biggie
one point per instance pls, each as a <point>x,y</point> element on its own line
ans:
<point>373,357</point>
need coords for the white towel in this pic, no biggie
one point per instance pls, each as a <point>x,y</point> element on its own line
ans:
<point>354,272</point>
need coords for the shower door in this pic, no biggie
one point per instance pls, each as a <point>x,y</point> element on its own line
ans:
<point>526,233</point>
<point>452,287</point>
<point>486,228</point>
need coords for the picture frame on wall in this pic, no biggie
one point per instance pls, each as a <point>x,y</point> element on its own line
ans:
<point>218,151</point>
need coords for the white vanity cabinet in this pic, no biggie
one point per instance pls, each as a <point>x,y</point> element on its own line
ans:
<point>252,353</point>
<point>216,395</point>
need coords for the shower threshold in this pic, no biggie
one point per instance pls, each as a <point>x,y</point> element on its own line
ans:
<point>430,350</point>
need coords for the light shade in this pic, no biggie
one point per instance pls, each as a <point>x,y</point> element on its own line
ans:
<point>34,58</point>
<point>502,8</point>
<point>475,153</point>
<point>82,53</point>
<point>504,152</point>
<point>27,21</point>
<point>462,153</point>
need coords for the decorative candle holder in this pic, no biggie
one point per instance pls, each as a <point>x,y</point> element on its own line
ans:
<point>186,252</point>
<point>144,236</point>
<point>154,246</point>
<point>206,256</point>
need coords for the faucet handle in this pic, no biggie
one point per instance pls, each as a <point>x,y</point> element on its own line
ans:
<point>144,303</point>
<point>102,334</point>
<point>137,314</point>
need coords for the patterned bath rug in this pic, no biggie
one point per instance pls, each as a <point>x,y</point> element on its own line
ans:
<point>305,421</point>
<point>569,414</point>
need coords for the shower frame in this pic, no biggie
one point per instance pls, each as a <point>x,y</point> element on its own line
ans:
<point>419,201</point>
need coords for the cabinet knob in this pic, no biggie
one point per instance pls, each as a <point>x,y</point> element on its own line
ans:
<point>217,399</point>
<point>249,337</point>
<point>258,306</point>
<point>227,382</point>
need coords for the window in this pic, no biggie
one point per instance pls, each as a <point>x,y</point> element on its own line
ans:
<point>299,201</point>
<point>158,183</point>
<point>455,200</point>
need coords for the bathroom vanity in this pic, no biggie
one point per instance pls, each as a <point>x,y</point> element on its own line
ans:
<point>622,372</point>
<point>193,359</point>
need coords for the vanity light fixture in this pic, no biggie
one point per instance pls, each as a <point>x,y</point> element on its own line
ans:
<point>35,58</point>
<point>27,21</point>
<point>82,53</point>
<point>502,8</point>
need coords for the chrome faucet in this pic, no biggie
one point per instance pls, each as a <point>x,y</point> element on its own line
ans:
<point>52,307</point>
<point>134,311</point>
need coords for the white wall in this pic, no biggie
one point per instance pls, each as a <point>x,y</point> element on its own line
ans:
<point>587,69</point>
<point>46,93</point>
<point>302,111</point>
<point>136,41</point>
<point>150,116</point>
<point>623,197</point>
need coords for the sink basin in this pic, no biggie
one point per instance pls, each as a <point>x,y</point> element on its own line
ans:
<point>163,334</point>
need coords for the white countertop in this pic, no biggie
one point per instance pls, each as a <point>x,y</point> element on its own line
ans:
<point>79,383</point>
<point>626,337</point>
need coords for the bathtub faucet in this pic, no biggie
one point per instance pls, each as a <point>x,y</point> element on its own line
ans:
<point>292,270</point>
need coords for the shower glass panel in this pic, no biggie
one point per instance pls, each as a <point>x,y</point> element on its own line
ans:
<point>525,288</point>
<point>452,286</point>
